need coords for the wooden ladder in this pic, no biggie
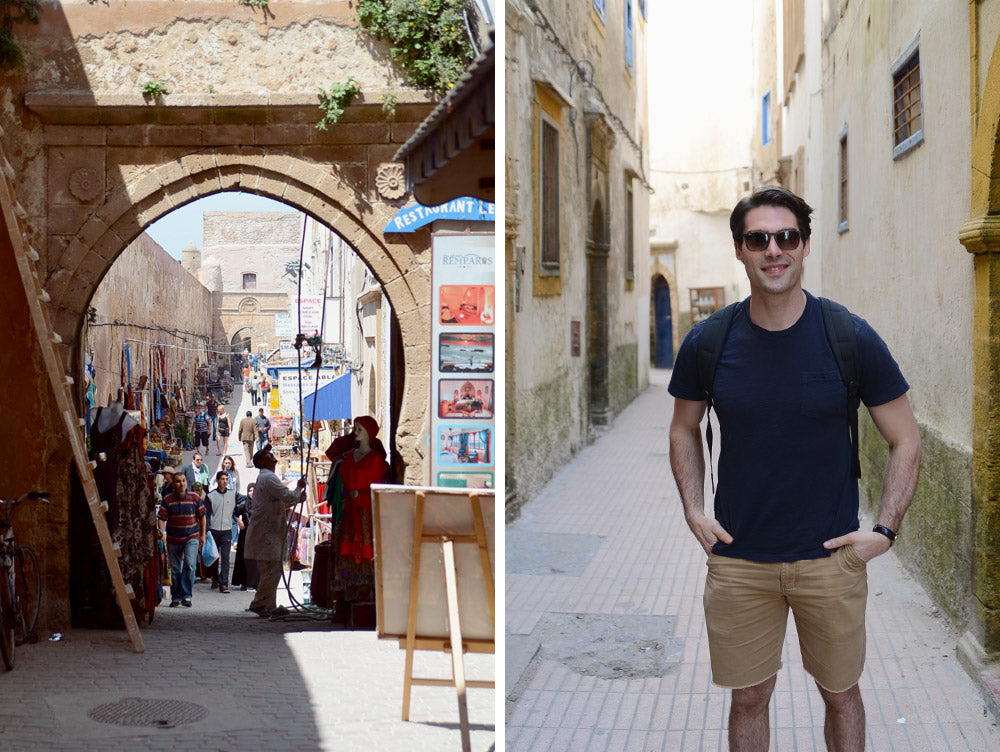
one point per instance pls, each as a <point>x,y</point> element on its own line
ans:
<point>13,214</point>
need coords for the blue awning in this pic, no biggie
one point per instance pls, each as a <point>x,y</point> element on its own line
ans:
<point>333,401</point>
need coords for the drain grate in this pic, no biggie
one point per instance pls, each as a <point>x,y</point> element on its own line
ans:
<point>137,711</point>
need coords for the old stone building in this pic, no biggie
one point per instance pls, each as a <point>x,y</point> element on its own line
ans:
<point>125,111</point>
<point>576,227</point>
<point>251,259</point>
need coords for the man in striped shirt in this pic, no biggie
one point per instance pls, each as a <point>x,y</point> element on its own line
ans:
<point>182,518</point>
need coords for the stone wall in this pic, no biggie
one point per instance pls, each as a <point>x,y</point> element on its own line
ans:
<point>148,298</point>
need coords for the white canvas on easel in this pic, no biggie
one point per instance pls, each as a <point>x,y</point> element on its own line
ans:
<point>447,602</point>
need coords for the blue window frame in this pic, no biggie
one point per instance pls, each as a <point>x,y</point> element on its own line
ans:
<point>629,35</point>
<point>642,8</point>
<point>765,119</point>
<point>599,8</point>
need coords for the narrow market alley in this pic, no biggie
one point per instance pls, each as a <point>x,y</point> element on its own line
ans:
<point>605,638</point>
<point>218,677</point>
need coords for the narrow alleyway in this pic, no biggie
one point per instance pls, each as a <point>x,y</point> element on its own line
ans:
<point>605,639</point>
<point>221,678</point>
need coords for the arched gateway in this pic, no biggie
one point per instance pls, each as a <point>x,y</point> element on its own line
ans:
<point>93,162</point>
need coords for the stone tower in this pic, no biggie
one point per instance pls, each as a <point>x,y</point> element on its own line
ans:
<point>191,259</point>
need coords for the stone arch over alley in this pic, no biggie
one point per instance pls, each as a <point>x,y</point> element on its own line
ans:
<point>302,185</point>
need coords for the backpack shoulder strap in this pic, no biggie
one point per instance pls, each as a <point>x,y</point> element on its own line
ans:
<point>843,341</point>
<point>714,332</point>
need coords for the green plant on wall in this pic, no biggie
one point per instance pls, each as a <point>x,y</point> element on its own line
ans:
<point>427,38</point>
<point>335,101</point>
<point>389,102</point>
<point>154,90</point>
<point>12,12</point>
<point>255,3</point>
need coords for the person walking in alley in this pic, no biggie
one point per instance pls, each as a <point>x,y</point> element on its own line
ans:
<point>263,429</point>
<point>182,519</point>
<point>785,528</point>
<point>224,428</point>
<point>255,388</point>
<point>265,542</point>
<point>248,434</point>
<point>196,472</point>
<point>202,428</point>
<point>221,503</point>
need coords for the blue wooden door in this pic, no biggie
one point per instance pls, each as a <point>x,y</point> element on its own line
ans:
<point>663,325</point>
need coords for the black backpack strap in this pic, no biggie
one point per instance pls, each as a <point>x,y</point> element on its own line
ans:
<point>844,342</point>
<point>712,339</point>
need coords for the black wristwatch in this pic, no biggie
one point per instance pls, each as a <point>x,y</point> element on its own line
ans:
<point>890,534</point>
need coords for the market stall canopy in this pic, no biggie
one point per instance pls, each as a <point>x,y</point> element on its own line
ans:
<point>333,401</point>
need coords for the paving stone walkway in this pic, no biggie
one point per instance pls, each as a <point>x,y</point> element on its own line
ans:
<point>605,638</point>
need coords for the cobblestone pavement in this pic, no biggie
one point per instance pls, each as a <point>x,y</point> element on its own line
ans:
<point>220,678</point>
<point>605,639</point>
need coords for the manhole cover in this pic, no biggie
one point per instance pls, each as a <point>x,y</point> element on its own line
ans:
<point>136,711</point>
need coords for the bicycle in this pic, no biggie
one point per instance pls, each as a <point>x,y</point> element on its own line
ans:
<point>20,585</point>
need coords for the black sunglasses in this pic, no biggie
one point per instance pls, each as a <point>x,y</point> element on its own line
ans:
<point>758,240</point>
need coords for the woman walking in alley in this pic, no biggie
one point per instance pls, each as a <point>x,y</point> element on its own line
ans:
<point>224,428</point>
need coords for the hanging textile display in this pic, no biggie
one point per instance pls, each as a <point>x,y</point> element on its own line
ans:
<point>116,448</point>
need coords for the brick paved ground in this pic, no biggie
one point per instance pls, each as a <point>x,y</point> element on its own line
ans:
<point>605,546</point>
<point>301,685</point>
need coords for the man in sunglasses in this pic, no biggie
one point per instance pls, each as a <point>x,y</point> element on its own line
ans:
<point>785,530</point>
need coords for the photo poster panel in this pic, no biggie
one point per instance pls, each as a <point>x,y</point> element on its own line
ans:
<point>463,381</point>
<point>446,510</point>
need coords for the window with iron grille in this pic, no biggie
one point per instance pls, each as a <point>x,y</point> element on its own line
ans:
<point>907,107</point>
<point>842,226</point>
<point>629,234</point>
<point>599,8</point>
<point>549,193</point>
<point>249,281</point>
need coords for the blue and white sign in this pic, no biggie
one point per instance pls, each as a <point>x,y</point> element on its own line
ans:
<point>411,218</point>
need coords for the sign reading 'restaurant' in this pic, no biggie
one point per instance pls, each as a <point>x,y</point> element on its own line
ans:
<point>410,218</point>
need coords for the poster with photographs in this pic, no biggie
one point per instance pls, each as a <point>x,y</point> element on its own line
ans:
<point>466,305</point>
<point>465,398</point>
<point>460,445</point>
<point>463,388</point>
<point>465,353</point>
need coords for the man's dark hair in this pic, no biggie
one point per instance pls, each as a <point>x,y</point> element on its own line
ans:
<point>249,413</point>
<point>772,195</point>
<point>220,474</point>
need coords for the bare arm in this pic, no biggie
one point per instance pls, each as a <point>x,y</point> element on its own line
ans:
<point>898,427</point>
<point>687,460</point>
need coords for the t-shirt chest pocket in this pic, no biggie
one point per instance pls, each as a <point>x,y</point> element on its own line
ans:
<point>823,394</point>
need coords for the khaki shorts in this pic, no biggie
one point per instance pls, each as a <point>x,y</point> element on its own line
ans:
<point>746,610</point>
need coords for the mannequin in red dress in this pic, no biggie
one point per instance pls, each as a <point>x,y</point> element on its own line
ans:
<point>359,468</point>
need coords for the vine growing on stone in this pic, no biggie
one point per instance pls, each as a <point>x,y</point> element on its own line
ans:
<point>13,12</point>
<point>426,37</point>
<point>335,101</point>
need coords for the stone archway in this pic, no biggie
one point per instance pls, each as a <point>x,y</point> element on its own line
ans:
<point>294,180</point>
<point>981,236</point>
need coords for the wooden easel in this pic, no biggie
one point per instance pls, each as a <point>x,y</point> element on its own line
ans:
<point>454,644</point>
<point>47,339</point>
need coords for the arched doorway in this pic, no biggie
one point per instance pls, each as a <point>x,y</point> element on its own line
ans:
<point>662,325</point>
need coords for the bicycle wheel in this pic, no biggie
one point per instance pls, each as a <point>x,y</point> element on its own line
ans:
<point>28,586</point>
<point>6,622</point>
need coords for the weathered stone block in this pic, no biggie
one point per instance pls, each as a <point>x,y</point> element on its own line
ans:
<point>281,134</point>
<point>66,220</point>
<point>74,135</point>
<point>76,175</point>
<point>226,135</point>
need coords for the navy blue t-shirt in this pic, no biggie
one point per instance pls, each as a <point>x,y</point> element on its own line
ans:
<point>785,480</point>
